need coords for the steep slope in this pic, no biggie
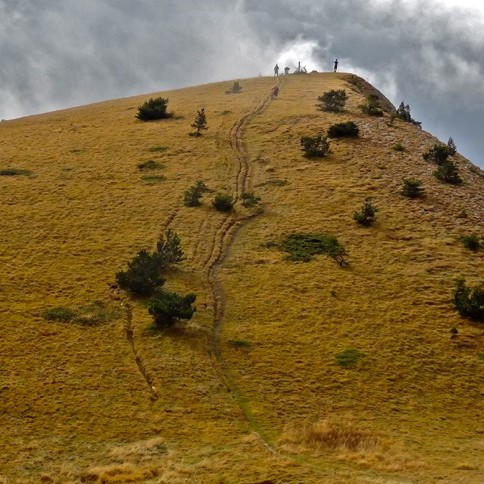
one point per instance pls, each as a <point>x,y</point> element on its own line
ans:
<point>245,390</point>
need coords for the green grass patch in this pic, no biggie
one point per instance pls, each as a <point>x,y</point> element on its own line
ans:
<point>304,246</point>
<point>240,343</point>
<point>152,179</point>
<point>349,358</point>
<point>150,165</point>
<point>275,183</point>
<point>91,315</point>
<point>157,149</point>
<point>14,172</point>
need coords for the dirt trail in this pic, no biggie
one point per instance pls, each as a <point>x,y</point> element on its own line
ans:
<point>223,235</point>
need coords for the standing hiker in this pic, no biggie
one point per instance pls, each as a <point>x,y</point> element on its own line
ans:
<point>286,71</point>
<point>276,70</point>
<point>335,65</point>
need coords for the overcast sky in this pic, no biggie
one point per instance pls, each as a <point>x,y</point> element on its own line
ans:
<point>429,53</point>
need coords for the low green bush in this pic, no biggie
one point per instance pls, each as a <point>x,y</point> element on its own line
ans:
<point>447,172</point>
<point>471,242</point>
<point>223,202</point>
<point>340,130</point>
<point>438,153</point>
<point>469,302</point>
<point>249,199</point>
<point>154,108</point>
<point>412,188</point>
<point>332,101</point>
<point>192,196</point>
<point>315,146</point>
<point>150,165</point>
<point>372,107</point>
<point>170,307</point>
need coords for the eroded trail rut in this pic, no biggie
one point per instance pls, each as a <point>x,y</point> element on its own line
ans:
<point>219,239</point>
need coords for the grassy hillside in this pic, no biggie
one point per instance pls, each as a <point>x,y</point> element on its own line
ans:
<point>253,388</point>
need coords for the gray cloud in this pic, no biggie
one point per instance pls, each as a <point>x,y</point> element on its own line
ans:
<point>59,53</point>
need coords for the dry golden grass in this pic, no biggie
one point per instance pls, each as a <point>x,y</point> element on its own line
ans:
<point>76,401</point>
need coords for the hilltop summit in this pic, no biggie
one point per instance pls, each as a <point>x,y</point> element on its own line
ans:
<point>294,368</point>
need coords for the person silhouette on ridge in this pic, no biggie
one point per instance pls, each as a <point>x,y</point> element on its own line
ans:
<point>335,65</point>
<point>276,70</point>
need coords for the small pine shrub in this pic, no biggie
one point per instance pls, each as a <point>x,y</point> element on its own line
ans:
<point>412,188</point>
<point>398,147</point>
<point>199,123</point>
<point>340,130</point>
<point>194,194</point>
<point>471,242</point>
<point>170,307</point>
<point>448,173</point>
<point>315,146</point>
<point>169,250</point>
<point>223,202</point>
<point>469,302</point>
<point>235,89</point>
<point>143,276</point>
<point>437,153</point>
<point>367,215</point>
<point>451,146</point>
<point>332,101</point>
<point>372,107</point>
<point>248,199</point>
<point>154,108</point>
<point>403,113</point>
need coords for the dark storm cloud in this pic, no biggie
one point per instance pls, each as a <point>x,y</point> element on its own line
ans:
<point>58,53</point>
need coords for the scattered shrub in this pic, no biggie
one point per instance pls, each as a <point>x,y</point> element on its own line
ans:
<point>367,215</point>
<point>248,199</point>
<point>372,107</point>
<point>332,101</point>
<point>398,147</point>
<point>315,146</point>
<point>469,302</point>
<point>412,188</point>
<point>451,146</point>
<point>471,242</point>
<point>340,130</point>
<point>438,153</point>
<point>304,246</point>
<point>349,358</point>
<point>462,213</point>
<point>143,276</point>
<point>170,307</point>
<point>154,108</point>
<point>169,250</point>
<point>403,113</point>
<point>199,123</point>
<point>235,89</point>
<point>448,173</point>
<point>193,194</point>
<point>223,202</point>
